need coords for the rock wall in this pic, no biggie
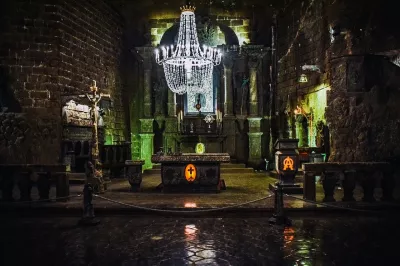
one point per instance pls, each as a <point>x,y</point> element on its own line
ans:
<point>49,49</point>
<point>337,36</point>
<point>363,111</point>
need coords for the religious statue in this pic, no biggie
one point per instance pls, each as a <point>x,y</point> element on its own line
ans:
<point>94,171</point>
<point>320,134</point>
<point>244,88</point>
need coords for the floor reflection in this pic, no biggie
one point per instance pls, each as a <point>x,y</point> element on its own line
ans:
<point>198,251</point>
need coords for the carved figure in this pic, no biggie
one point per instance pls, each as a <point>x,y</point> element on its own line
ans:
<point>245,88</point>
<point>94,177</point>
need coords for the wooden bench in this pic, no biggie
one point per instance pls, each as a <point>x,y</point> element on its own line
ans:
<point>27,175</point>
<point>367,174</point>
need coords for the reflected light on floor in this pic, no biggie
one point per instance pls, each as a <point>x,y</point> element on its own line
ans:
<point>190,232</point>
<point>288,234</point>
<point>190,205</point>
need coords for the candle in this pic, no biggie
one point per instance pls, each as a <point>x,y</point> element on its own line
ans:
<point>94,83</point>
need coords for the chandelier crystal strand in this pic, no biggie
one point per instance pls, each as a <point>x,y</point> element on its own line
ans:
<point>187,67</point>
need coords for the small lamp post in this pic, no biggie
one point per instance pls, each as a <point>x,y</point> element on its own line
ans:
<point>95,174</point>
<point>286,165</point>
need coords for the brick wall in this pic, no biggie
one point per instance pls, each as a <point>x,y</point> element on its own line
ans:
<point>52,48</point>
<point>90,49</point>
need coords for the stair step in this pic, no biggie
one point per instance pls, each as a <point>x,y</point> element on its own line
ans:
<point>232,165</point>
<point>237,170</point>
<point>156,166</point>
<point>152,172</point>
<point>223,171</point>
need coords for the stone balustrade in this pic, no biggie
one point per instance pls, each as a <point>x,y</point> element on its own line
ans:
<point>25,176</point>
<point>369,175</point>
<point>113,158</point>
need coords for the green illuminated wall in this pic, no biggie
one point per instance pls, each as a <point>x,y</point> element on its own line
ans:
<point>240,26</point>
<point>315,102</point>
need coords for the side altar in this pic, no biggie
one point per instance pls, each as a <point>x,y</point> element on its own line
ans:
<point>191,172</point>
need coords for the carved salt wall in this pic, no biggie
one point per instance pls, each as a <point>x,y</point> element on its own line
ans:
<point>336,36</point>
<point>49,49</point>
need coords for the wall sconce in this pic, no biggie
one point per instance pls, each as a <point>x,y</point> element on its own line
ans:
<point>311,68</point>
<point>303,78</point>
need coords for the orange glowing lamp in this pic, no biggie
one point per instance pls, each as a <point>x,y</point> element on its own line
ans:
<point>190,172</point>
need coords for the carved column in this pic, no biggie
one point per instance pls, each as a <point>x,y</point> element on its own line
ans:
<point>229,124</point>
<point>228,88</point>
<point>146,57</point>
<point>171,123</point>
<point>146,123</point>
<point>171,103</point>
<point>255,142</point>
<point>147,90</point>
<point>146,142</point>
<point>255,121</point>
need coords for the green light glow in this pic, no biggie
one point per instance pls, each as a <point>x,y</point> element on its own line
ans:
<point>315,103</point>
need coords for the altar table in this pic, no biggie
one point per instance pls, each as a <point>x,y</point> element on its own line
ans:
<point>191,172</point>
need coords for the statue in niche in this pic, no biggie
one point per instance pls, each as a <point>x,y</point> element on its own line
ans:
<point>200,99</point>
<point>207,31</point>
<point>244,89</point>
<point>322,138</point>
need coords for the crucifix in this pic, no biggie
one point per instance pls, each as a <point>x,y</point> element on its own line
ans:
<point>95,175</point>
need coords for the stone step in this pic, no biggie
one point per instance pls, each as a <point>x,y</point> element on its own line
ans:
<point>232,165</point>
<point>237,170</point>
<point>152,171</point>
<point>223,171</point>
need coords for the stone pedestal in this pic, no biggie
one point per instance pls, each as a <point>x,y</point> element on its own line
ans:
<point>146,142</point>
<point>255,159</point>
<point>229,130</point>
<point>133,172</point>
<point>170,133</point>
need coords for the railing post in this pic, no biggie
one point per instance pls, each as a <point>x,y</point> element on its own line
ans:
<point>349,184</point>
<point>309,192</point>
<point>88,217</point>
<point>328,183</point>
<point>279,217</point>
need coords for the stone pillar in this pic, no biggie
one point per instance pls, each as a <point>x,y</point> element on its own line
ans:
<point>146,54</point>
<point>171,104</point>
<point>229,130</point>
<point>146,123</point>
<point>147,90</point>
<point>228,88</point>
<point>255,134</point>
<point>146,141</point>
<point>253,66</point>
<point>171,123</point>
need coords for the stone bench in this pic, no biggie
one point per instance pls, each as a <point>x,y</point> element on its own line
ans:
<point>369,175</point>
<point>27,175</point>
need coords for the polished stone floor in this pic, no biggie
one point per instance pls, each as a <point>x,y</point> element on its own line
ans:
<point>209,241</point>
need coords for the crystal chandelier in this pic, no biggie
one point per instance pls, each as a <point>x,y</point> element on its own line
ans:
<point>187,67</point>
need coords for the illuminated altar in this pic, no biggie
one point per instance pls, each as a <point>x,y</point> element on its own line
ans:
<point>191,172</point>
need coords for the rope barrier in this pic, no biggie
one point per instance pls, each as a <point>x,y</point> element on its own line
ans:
<point>171,211</point>
<point>40,200</point>
<point>329,205</point>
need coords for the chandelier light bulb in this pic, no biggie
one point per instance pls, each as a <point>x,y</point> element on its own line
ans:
<point>187,67</point>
